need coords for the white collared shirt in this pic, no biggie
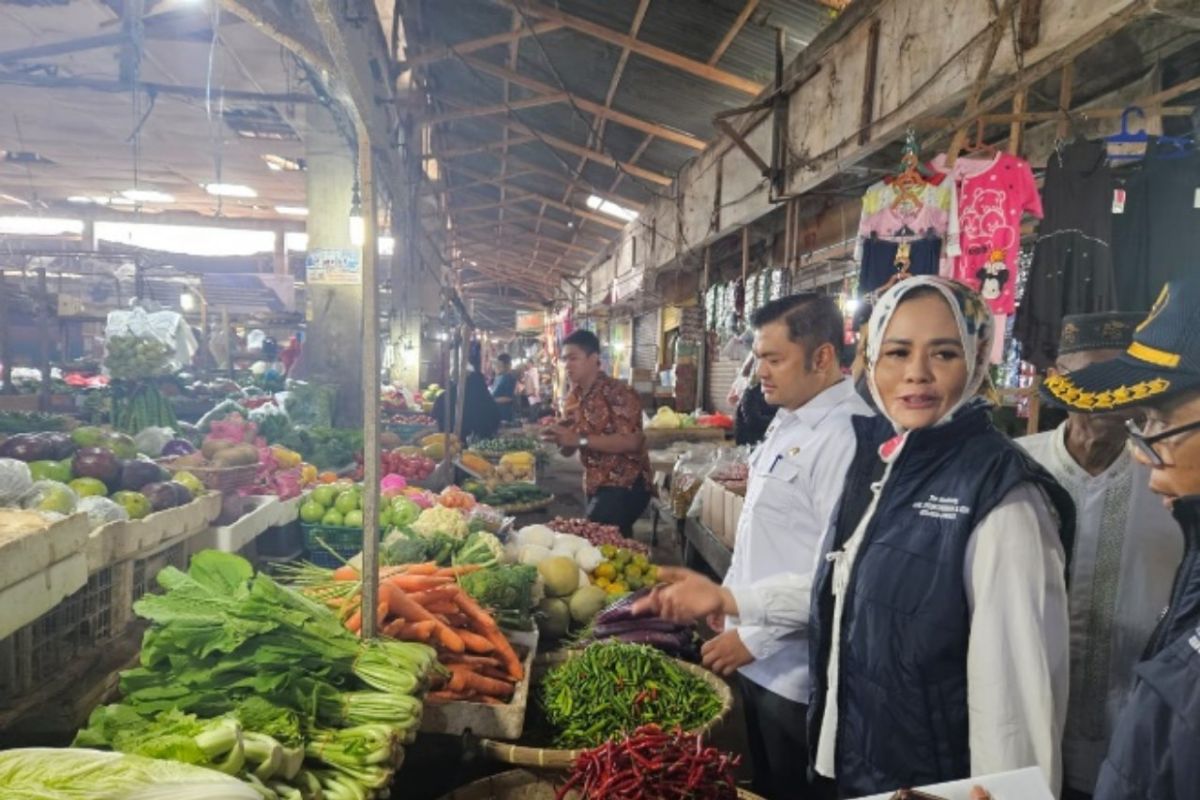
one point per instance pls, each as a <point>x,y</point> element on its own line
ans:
<point>1127,549</point>
<point>796,478</point>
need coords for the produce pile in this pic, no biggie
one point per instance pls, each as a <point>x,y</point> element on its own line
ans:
<point>32,422</point>
<point>618,622</point>
<point>651,764</point>
<point>413,420</point>
<point>91,471</point>
<point>130,357</point>
<point>324,448</point>
<point>611,689</point>
<point>403,461</point>
<point>666,419</point>
<point>255,680</point>
<point>514,498</point>
<point>507,444</point>
<point>424,603</point>
<point>597,533</point>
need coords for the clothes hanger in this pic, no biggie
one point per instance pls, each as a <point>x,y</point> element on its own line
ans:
<point>1169,147</point>
<point>979,146</point>
<point>908,183</point>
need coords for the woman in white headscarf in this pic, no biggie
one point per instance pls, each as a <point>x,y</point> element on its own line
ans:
<point>937,620</point>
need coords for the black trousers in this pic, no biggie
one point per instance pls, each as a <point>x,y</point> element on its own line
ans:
<point>617,505</point>
<point>777,735</point>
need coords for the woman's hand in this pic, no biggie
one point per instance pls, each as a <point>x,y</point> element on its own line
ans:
<point>685,596</point>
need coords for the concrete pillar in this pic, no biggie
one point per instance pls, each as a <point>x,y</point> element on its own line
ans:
<point>281,259</point>
<point>333,349</point>
<point>88,239</point>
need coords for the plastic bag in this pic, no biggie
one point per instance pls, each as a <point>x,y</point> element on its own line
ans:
<point>691,469</point>
<point>151,441</point>
<point>166,327</point>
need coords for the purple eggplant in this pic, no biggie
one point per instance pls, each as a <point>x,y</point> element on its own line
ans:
<point>622,609</point>
<point>634,625</point>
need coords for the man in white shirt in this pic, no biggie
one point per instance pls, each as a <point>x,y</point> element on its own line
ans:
<point>795,479</point>
<point>1127,549</point>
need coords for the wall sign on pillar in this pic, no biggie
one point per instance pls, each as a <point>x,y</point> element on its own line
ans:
<point>332,266</point>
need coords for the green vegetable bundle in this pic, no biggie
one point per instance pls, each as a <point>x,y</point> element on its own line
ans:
<point>611,689</point>
<point>508,590</point>
<point>31,422</point>
<point>325,448</point>
<point>139,405</point>
<point>318,709</point>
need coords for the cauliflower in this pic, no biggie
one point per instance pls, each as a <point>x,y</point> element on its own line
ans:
<point>480,548</point>
<point>440,519</point>
<point>536,534</point>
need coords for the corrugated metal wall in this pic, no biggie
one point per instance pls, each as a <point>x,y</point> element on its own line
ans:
<point>645,341</point>
<point>721,374</point>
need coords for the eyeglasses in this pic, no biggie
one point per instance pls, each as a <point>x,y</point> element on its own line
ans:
<point>1145,444</point>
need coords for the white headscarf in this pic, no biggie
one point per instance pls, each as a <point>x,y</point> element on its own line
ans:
<point>976,329</point>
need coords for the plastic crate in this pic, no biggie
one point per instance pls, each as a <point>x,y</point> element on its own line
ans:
<point>33,655</point>
<point>346,542</point>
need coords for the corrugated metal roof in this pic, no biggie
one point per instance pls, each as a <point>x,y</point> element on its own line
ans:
<point>584,65</point>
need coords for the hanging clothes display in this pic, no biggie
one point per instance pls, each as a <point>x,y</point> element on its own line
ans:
<point>1072,271</point>
<point>1156,223</point>
<point>906,222</point>
<point>992,195</point>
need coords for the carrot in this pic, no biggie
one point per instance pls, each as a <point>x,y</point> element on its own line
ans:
<point>447,696</point>
<point>480,662</point>
<point>457,620</point>
<point>417,583</point>
<point>469,679</point>
<point>354,623</point>
<point>445,608</point>
<point>419,631</point>
<point>346,573</point>
<point>381,613</point>
<point>485,625</point>
<point>428,568</point>
<point>437,594</point>
<point>394,628</point>
<point>476,643</point>
<point>403,606</point>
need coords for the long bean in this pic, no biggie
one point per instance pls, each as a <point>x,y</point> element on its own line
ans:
<point>613,688</point>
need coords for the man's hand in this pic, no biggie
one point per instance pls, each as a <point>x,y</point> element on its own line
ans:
<point>715,623</point>
<point>686,597</point>
<point>562,436</point>
<point>733,397</point>
<point>725,654</point>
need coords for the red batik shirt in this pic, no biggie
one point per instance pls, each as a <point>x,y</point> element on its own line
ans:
<point>608,407</point>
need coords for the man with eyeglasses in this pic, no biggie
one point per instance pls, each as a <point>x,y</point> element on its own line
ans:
<point>1127,548</point>
<point>1154,753</point>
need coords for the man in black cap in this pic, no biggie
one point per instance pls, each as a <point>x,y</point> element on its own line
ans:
<point>1155,749</point>
<point>1126,549</point>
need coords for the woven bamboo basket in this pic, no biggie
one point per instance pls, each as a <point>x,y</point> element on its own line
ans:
<point>527,508</point>
<point>556,759</point>
<point>520,784</point>
<point>225,480</point>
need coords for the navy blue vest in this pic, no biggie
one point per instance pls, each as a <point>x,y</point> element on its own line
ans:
<point>1155,749</point>
<point>902,700</point>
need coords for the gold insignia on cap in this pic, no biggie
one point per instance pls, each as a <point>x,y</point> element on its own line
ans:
<point>1163,298</point>
<point>1069,333</point>
<point>1063,389</point>
<point>1152,355</point>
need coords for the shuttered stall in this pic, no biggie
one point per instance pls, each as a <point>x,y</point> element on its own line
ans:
<point>645,342</point>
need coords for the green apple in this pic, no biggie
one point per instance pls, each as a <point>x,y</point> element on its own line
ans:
<point>311,512</point>
<point>88,487</point>
<point>193,484</point>
<point>347,501</point>
<point>134,503</point>
<point>385,518</point>
<point>353,519</point>
<point>325,495</point>
<point>333,518</point>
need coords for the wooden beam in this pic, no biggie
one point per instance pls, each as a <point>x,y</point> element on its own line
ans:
<point>532,217</point>
<point>1030,28</point>
<point>999,27</point>
<point>62,48</point>
<point>490,147</point>
<point>537,169</point>
<point>473,247</point>
<point>733,31</point>
<point>492,110</point>
<point>534,197</point>
<point>531,195</point>
<point>660,54</point>
<point>592,155</point>
<point>462,48</point>
<point>516,238</point>
<point>869,79</point>
<point>116,87</point>
<point>601,111</point>
<point>1016,128</point>
<point>486,181</point>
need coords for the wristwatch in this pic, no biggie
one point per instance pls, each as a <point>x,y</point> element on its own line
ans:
<point>583,441</point>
